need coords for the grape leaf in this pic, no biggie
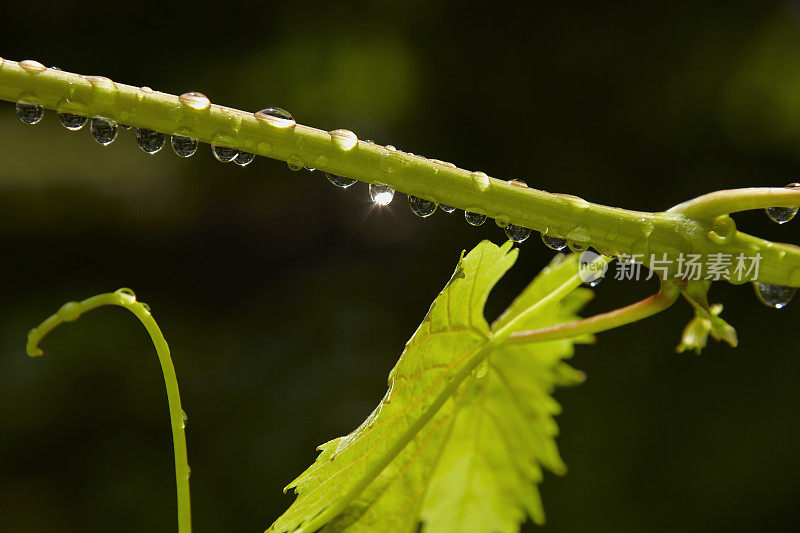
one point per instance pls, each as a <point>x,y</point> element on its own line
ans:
<point>460,439</point>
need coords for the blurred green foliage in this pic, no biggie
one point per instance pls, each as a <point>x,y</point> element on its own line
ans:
<point>636,105</point>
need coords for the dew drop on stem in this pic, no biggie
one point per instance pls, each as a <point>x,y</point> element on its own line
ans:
<point>103,130</point>
<point>339,181</point>
<point>29,113</point>
<point>32,66</point>
<point>195,100</point>
<point>275,116</point>
<point>244,158</point>
<point>71,121</point>
<point>776,296</point>
<point>381,194</point>
<point>446,208</point>
<point>150,141</point>
<point>223,153</point>
<point>782,215</point>
<point>344,139</point>
<point>474,219</point>
<point>554,243</point>
<point>421,207</point>
<point>183,146</point>
<point>517,233</point>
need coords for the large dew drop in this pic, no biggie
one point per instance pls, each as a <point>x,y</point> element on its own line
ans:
<point>71,121</point>
<point>517,233</point>
<point>223,153</point>
<point>782,215</point>
<point>344,139</point>
<point>275,116</point>
<point>32,66</point>
<point>29,113</point>
<point>554,243</point>
<point>339,181</point>
<point>244,158</point>
<point>183,146</point>
<point>150,141</point>
<point>103,130</point>
<point>775,296</point>
<point>194,100</point>
<point>474,219</point>
<point>421,207</point>
<point>381,194</point>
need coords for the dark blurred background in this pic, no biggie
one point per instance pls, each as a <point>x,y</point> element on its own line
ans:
<point>286,303</point>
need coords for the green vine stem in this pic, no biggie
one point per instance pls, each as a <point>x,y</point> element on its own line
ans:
<point>701,226</point>
<point>666,296</point>
<point>70,312</point>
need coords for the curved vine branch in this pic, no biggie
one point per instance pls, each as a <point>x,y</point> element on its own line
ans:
<point>700,226</point>
<point>70,312</point>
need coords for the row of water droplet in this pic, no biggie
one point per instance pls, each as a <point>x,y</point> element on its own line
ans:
<point>105,131</point>
<point>777,296</point>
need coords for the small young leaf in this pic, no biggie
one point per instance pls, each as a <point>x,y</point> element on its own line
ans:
<point>460,439</point>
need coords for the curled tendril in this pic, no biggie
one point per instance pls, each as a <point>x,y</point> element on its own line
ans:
<point>71,311</point>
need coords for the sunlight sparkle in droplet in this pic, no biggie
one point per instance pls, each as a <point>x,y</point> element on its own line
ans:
<point>381,194</point>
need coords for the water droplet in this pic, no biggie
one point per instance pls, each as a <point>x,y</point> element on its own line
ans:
<point>446,208</point>
<point>344,139</point>
<point>146,307</point>
<point>103,130</point>
<point>275,116</point>
<point>183,146</point>
<point>517,233</point>
<point>421,207</point>
<point>576,246</point>
<point>474,219</point>
<point>125,126</point>
<point>29,113</point>
<point>480,179</point>
<point>775,296</point>
<point>518,183</point>
<point>554,243</point>
<point>127,294</point>
<point>381,194</point>
<point>150,141</point>
<point>32,66</point>
<point>104,90</point>
<point>223,153</point>
<point>481,369</point>
<point>196,101</point>
<point>781,215</point>
<point>244,158</point>
<point>339,181</point>
<point>72,122</point>
<point>294,163</point>
<point>184,419</point>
